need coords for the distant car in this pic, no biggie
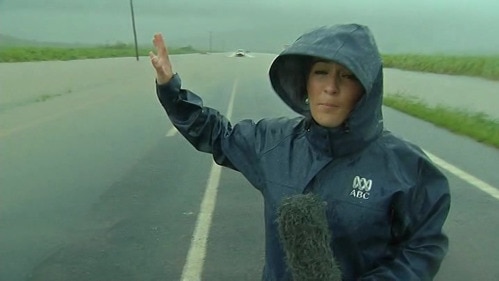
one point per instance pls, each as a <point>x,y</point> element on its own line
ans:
<point>240,53</point>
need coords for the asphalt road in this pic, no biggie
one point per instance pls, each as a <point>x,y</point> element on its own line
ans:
<point>95,184</point>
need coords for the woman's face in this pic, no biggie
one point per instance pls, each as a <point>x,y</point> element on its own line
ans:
<point>333,91</point>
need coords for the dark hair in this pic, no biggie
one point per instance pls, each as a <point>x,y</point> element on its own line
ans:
<point>308,63</point>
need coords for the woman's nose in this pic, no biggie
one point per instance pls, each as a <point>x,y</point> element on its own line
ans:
<point>331,86</point>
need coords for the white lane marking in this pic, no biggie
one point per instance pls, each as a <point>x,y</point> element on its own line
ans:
<point>193,267</point>
<point>231,101</point>
<point>172,132</point>
<point>483,186</point>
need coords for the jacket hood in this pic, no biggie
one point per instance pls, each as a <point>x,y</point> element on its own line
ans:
<point>351,45</point>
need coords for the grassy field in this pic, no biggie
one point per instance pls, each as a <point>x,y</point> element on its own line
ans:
<point>479,66</point>
<point>23,54</point>
<point>475,125</point>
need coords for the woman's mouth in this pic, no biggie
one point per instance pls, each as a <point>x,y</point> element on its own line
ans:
<point>328,105</point>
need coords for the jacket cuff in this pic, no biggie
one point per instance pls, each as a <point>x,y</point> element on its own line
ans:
<point>172,86</point>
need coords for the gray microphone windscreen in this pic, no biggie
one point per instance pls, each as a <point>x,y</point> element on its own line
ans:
<point>305,236</point>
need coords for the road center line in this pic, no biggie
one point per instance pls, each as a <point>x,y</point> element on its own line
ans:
<point>483,186</point>
<point>193,267</point>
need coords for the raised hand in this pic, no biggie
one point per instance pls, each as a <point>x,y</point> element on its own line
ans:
<point>160,61</point>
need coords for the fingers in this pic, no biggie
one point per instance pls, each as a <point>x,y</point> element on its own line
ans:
<point>160,60</point>
<point>160,45</point>
<point>154,60</point>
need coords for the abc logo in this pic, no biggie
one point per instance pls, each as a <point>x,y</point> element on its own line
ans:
<point>361,187</point>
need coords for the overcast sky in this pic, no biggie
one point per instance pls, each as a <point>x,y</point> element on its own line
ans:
<point>425,26</point>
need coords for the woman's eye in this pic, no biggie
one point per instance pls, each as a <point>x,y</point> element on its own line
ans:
<point>349,76</point>
<point>321,72</point>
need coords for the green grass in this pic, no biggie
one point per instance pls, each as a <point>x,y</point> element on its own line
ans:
<point>30,53</point>
<point>479,66</point>
<point>478,126</point>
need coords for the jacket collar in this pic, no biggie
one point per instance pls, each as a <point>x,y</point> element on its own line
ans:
<point>334,142</point>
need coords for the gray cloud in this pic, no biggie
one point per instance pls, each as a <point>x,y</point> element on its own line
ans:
<point>399,26</point>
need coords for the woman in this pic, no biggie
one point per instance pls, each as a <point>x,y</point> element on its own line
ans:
<point>386,201</point>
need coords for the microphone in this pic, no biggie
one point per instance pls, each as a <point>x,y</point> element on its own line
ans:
<point>304,234</point>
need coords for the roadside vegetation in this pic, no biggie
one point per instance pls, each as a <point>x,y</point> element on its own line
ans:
<point>479,66</point>
<point>48,53</point>
<point>475,125</point>
<point>478,126</point>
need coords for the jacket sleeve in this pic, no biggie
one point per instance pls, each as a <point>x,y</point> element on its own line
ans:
<point>209,131</point>
<point>417,220</point>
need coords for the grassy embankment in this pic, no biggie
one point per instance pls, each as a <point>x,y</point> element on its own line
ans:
<point>478,126</point>
<point>479,66</point>
<point>475,125</point>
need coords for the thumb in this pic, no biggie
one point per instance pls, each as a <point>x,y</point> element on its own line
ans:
<point>162,75</point>
<point>154,60</point>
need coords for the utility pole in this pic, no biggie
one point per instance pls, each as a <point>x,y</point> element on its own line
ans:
<point>134,31</point>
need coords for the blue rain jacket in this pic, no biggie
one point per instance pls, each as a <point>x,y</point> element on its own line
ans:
<point>386,200</point>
